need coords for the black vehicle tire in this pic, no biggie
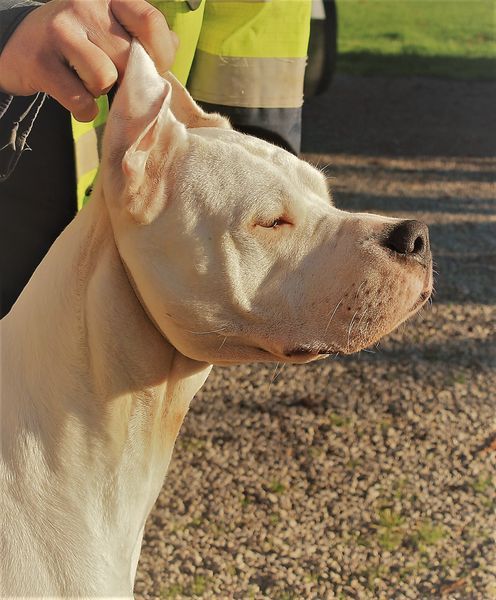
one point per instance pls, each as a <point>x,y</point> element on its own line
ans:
<point>322,51</point>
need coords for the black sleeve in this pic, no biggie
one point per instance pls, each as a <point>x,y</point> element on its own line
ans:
<point>12,12</point>
<point>17,115</point>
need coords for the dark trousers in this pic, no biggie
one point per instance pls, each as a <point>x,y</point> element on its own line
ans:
<point>37,201</point>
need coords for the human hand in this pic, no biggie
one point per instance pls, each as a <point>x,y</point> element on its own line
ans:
<point>75,50</point>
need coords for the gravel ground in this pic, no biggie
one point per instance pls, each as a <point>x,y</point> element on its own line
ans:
<point>371,476</point>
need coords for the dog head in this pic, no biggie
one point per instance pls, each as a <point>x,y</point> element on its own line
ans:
<point>233,245</point>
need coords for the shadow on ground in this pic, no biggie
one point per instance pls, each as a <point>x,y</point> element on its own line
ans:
<point>418,116</point>
<point>371,63</point>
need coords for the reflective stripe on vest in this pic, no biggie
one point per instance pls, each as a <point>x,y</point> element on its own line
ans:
<point>252,54</point>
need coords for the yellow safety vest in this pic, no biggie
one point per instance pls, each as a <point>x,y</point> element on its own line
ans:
<point>248,54</point>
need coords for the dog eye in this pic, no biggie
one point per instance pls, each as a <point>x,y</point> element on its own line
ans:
<point>275,223</point>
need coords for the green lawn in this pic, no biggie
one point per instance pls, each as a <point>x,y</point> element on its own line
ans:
<point>446,38</point>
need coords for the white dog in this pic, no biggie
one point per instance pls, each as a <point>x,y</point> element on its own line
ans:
<point>200,246</point>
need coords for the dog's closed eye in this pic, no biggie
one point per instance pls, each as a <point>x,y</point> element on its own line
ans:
<point>275,223</point>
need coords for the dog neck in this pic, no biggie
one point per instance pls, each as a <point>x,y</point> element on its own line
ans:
<point>93,398</point>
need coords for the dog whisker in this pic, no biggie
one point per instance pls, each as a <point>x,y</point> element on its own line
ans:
<point>361,319</point>
<point>360,287</point>
<point>349,329</point>
<point>332,316</point>
<point>222,343</point>
<point>275,375</point>
<point>224,327</point>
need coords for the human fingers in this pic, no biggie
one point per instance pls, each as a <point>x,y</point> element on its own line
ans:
<point>64,85</point>
<point>92,65</point>
<point>111,37</point>
<point>146,23</point>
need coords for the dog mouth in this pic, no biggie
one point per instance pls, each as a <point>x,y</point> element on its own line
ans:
<point>308,353</point>
<point>305,350</point>
<point>421,300</point>
<point>304,353</point>
<point>426,293</point>
<point>300,354</point>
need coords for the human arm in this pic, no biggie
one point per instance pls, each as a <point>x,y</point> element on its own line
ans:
<point>75,50</point>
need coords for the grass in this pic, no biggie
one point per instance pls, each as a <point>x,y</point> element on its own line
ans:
<point>389,529</point>
<point>195,523</point>
<point>393,530</point>
<point>277,487</point>
<point>197,588</point>
<point>245,501</point>
<point>442,38</point>
<point>372,575</point>
<point>339,420</point>
<point>482,484</point>
<point>390,519</point>
<point>428,534</point>
<point>172,592</point>
<point>312,578</point>
<point>390,539</point>
<point>199,585</point>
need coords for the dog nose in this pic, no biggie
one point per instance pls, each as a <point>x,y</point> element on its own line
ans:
<point>410,238</point>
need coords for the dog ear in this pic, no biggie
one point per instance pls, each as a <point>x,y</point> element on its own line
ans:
<point>141,126</point>
<point>187,111</point>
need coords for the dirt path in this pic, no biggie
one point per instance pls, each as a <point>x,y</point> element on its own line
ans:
<point>370,476</point>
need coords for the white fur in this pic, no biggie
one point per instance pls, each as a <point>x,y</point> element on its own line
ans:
<point>170,268</point>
